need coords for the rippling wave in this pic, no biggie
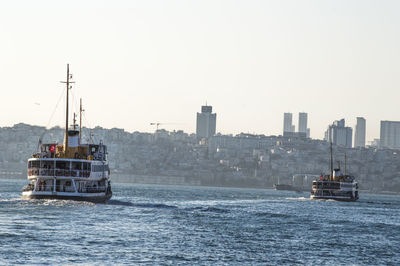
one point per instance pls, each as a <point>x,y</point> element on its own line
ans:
<point>198,225</point>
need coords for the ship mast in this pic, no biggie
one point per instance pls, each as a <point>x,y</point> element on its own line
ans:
<point>80,121</point>
<point>67,110</point>
<point>330,149</point>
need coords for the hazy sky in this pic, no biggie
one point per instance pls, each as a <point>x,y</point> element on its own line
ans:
<point>136,62</point>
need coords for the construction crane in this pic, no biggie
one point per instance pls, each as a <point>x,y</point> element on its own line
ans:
<point>159,124</point>
<point>156,124</point>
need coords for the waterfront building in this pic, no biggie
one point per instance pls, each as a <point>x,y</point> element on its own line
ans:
<point>206,122</point>
<point>359,135</point>
<point>390,135</point>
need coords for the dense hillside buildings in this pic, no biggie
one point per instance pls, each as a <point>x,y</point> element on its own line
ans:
<point>339,134</point>
<point>390,134</point>
<point>359,136</point>
<point>206,122</point>
<point>178,158</point>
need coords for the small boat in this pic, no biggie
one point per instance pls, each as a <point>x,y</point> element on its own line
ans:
<point>69,171</point>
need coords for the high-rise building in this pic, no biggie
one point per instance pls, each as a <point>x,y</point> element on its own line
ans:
<point>288,127</point>
<point>339,134</point>
<point>390,135</point>
<point>359,135</point>
<point>302,123</point>
<point>303,130</point>
<point>206,122</point>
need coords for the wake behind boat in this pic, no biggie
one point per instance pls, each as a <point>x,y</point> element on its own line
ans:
<point>71,170</point>
<point>287,187</point>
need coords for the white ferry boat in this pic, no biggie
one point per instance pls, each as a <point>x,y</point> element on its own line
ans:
<point>71,171</point>
<point>335,186</point>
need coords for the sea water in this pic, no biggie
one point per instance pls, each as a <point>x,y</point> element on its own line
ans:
<point>148,224</point>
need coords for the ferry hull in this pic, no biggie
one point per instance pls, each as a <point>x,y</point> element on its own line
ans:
<point>94,198</point>
<point>332,198</point>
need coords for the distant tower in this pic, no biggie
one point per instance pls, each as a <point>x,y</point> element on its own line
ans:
<point>206,122</point>
<point>288,127</point>
<point>390,135</point>
<point>359,135</point>
<point>339,134</point>
<point>303,130</point>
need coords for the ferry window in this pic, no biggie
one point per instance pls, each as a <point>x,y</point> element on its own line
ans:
<point>35,164</point>
<point>62,165</point>
<point>86,166</point>
<point>93,150</point>
<point>47,164</point>
<point>76,165</point>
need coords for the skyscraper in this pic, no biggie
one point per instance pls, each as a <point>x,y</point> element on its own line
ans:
<point>390,135</point>
<point>339,134</point>
<point>359,135</point>
<point>303,130</point>
<point>302,123</point>
<point>288,127</point>
<point>206,122</point>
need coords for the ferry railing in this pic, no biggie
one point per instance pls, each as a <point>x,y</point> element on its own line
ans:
<point>57,172</point>
<point>61,188</point>
<point>43,187</point>
<point>92,189</point>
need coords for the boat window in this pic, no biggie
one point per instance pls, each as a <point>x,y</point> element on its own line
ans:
<point>35,164</point>
<point>93,149</point>
<point>47,164</point>
<point>86,166</point>
<point>62,165</point>
<point>99,168</point>
<point>76,165</point>
<point>29,164</point>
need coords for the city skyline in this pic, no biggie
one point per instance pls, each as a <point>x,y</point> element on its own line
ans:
<point>135,63</point>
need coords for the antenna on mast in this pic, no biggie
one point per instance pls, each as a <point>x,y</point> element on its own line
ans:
<point>80,121</point>
<point>67,105</point>
<point>330,149</point>
<point>74,125</point>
